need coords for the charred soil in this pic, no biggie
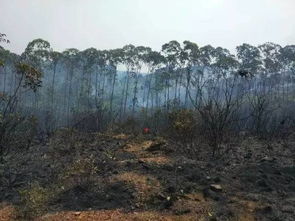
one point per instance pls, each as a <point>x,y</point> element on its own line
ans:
<point>91,176</point>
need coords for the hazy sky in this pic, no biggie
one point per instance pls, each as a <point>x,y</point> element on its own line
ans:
<point>106,24</point>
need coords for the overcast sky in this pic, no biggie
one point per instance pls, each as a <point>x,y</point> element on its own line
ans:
<point>106,24</point>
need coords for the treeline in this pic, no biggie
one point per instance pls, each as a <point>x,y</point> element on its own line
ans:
<point>252,89</point>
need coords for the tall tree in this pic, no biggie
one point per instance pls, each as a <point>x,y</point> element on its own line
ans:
<point>271,57</point>
<point>250,58</point>
<point>114,59</point>
<point>129,62</point>
<point>55,58</point>
<point>172,52</point>
<point>37,54</point>
<point>139,60</point>
<point>71,59</point>
<point>154,60</point>
<point>89,60</point>
<point>192,57</point>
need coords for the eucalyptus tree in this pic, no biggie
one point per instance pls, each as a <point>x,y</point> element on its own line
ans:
<point>55,58</point>
<point>71,59</point>
<point>153,60</point>
<point>207,54</point>
<point>223,82</point>
<point>225,67</point>
<point>271,54</point>
<point>114,58</point>
<point>224,61</point>
<point>37,54</point>
<point>172,52</point>
<point>100,76</point>
<point>89,61</point>
<point>272,65</point>
<point>128,60</point>
<point>7,60</point>
<point>218,64</point>
<point>91,76</point>
<point>191,56</point>
<point>250,59</point>
<point>287,58</point>
<point>204,59</point>
<point>3,38</point>
<point>140,55</point>
<point>159,87</point>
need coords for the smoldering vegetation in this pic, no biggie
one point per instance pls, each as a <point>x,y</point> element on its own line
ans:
<point>186,123</point>
<point>89,89</point>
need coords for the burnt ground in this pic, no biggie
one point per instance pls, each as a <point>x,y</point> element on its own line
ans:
<point>78,176</point>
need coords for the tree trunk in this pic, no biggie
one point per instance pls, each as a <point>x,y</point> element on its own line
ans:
<point>126,93</point>
<point>112,96</point>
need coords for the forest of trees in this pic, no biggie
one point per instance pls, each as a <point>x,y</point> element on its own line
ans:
<point>95,89</point>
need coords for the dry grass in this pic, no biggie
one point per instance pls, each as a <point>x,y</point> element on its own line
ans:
<point>193,204</point>
<point>146,186</point>
<point>246,209</point>
<point>121,136</point>
<point>161,160</point>
<point>138,147</point>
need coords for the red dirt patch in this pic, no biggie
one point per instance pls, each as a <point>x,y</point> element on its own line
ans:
<point>7,212</point>
<point>115,215</point>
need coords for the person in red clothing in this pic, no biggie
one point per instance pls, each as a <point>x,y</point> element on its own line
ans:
<point>146,130</point>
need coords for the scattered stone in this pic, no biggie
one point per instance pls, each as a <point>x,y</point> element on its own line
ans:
<point>267,159</point>
<point>216,187</point>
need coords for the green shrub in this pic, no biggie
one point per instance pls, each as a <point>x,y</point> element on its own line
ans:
<point>34,200</point>
<point>184,124</point>
<point>81,171</point>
